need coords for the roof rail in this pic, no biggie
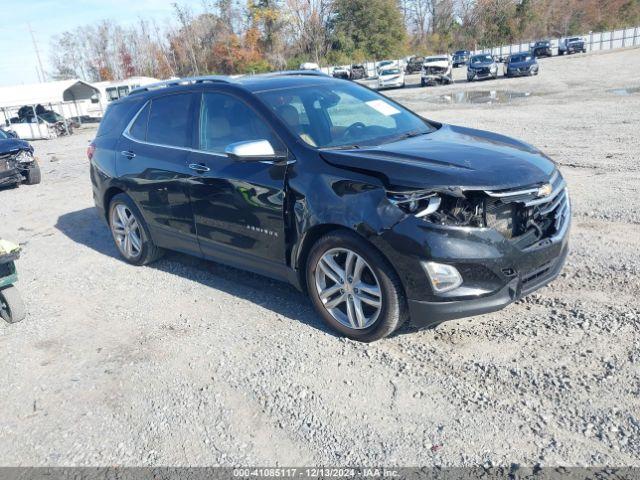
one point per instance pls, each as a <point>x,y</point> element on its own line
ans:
<point>181,81</point>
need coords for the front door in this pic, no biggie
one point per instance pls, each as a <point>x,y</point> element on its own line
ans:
<point>152,160</point>
<point>238,206</point>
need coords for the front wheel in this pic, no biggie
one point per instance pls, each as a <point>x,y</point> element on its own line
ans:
<point>354,288</point>
<point>33,175</point>
<point>11,305</point>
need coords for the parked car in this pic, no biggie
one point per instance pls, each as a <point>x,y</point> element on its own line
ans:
<point>358,71</point>
<point>391,78</point>
<point>341,72</point>
<point>572,45</point>
<point>461,58</point>
<point>521,64</point>
<point>437,70</point>
<point>17,163</point>
<point>309,66</point>
<point>384,65</point>
<point>542,49</point>
<point>414,65</point>
<point>481,66</point>
<point>376,212</point>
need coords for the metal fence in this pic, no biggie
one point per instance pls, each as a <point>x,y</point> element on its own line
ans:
<point>594,42</point>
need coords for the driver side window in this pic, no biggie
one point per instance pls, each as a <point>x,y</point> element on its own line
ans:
<point>225,120</point>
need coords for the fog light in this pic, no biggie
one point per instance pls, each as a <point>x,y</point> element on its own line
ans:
<point>443,277</point>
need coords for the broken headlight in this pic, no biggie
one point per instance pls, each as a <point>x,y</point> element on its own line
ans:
<point>440,208</point>
<point>24,157</point>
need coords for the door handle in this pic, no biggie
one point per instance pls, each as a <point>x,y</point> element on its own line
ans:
<point>128,154</point>
<point>199,167</point>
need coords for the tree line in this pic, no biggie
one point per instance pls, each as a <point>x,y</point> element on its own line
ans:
<point>252,36</point>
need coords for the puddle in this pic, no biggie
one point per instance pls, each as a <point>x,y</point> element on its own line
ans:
<point>481,96</point>
<point>623,92</point>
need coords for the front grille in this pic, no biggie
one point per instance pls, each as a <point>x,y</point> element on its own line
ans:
<point>434,70</point>
<point>524,216</point>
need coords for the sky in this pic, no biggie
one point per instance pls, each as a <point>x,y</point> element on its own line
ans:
<point>51,17</point>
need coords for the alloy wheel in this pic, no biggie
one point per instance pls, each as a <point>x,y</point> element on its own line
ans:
<point>348,288</point>
<point>126,231</point>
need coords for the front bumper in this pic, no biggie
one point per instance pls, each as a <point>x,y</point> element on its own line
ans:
<point>425,313</point>
<point>520,72</point>
<point>494,270</point>
<point>391,84</point>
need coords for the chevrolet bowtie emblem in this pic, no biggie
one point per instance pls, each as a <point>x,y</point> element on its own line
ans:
<point>545,190</point>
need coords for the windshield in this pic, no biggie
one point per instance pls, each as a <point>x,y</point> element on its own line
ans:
<point>436,59</point>
<point>575,39</point>
<point>461,52</point>
<point>51,117</point>
<point>336,115</point>
<point>3,135</point>
<point>481,58</point>
<point>520,58</point>
<point>391,71</point>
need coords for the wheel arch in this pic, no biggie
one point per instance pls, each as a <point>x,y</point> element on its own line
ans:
<point>311,236</point>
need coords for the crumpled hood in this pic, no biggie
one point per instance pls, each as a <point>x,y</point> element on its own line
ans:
<point>439,63</point>
<point>13,144</point>
<point>451,157</point>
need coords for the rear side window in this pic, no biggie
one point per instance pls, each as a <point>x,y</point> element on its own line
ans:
<point>139,128</point>
<point>170,120</point>
<point>116,117</point>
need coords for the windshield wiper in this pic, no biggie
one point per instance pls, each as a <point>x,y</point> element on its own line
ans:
<point>341,147</point>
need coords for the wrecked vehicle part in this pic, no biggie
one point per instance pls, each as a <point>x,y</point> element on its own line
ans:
<point>17,162</point>
<point>437,70</point>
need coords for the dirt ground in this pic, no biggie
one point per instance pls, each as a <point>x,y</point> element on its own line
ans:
<point>192,363</point>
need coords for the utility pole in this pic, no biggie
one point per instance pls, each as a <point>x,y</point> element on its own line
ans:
<point>35,47</point>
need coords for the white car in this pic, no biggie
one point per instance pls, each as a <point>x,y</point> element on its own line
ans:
<point>309,66</point>
<point>34,131</point>
<point>391,78</point>
<point>437,70</point>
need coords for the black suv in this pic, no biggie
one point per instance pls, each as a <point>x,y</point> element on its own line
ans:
<point>377,213</point>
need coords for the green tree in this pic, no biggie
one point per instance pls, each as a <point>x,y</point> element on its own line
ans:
<point>370,28</point>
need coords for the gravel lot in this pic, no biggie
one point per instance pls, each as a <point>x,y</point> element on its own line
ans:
<point>191,363</point>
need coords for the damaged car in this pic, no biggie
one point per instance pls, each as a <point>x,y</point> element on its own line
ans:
<point>461,58</point>
<point>542,48</point>
<point>17,163</point>
<point>572,45</point>
<point>437,70</point>
<point>391,77</point>
<point>481,67</point>
<point>521,64</point>
<point>379,214</point>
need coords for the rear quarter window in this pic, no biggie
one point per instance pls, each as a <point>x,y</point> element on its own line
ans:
<point>116,118</point>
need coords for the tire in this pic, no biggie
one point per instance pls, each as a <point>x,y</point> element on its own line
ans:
<point>11,305</point>
<point>376,275</point>
<point>34,176</point>
<point>140,252</point>
<point>422,84</point>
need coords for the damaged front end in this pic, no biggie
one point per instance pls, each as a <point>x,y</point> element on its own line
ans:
<point>525,217</point>
<point>436,75</point>
<point>17,166</point>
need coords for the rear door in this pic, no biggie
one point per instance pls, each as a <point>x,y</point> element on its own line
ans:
<point>238,206</point>
<point>152,161</point>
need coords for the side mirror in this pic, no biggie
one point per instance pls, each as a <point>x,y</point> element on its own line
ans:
<point>11,133</point>
<point>251,151</point>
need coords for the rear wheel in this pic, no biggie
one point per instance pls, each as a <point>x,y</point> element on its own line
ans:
<point>354,288</point>
<point>130,232</point>
<point>11,305</point>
